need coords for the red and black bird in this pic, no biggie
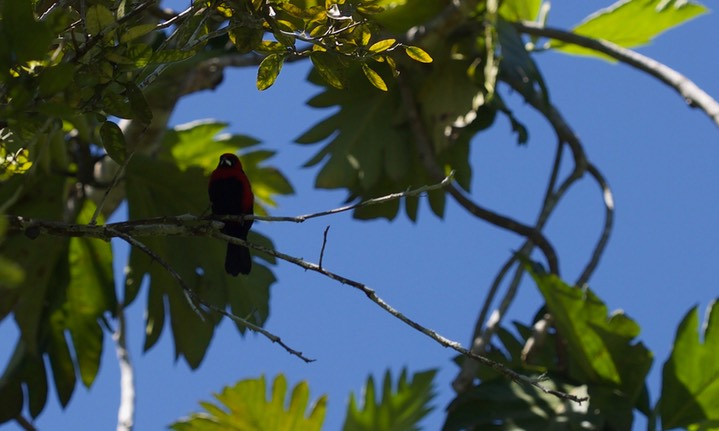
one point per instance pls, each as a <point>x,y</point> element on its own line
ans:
<point>231,194</point>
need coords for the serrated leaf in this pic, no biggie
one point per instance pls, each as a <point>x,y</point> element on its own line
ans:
<point>401,406</point>
<point>244,407</point>
<point>505,405</point>
<point>603,346</point>
<point>374,77</point>
<point>631,23</point>
<point>382,45</point>
<point>690,378</point>
<point>268,71</point>
<point>418,54</point>
<point>113,140</point>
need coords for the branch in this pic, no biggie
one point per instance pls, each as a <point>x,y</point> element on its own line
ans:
<point>193,299</point>
<point>424,146</point>
<point>126,411</point>
<point>688,90</point>
<point>434,335</point>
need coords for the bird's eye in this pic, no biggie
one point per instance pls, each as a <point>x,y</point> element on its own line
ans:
<point>226,161</point>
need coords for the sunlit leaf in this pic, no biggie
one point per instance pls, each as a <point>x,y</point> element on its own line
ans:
<point>382,45</point>
<point>374,77</point>
<point>631,23</point>
<point>398,406</point>
<point>269,70</point>
<point>418,54</point>
<point>690,383</point>
<point>245,407</point>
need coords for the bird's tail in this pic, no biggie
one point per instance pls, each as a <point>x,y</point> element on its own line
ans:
<point>237,259</point>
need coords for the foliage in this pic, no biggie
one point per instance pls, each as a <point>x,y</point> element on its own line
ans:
<point>244,407</point>
<point>399,409</point>
<point>84,109</point>
<point>690,379</point>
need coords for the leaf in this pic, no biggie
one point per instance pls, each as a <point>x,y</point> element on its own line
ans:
<point>690,378</point>
<point>418,54</point>
<point>269,70</point>
<point>518,67</point>
<point>399,407</point>
<point>382,45</point>
<point>631,23</point>
<point>136,32</point>
<point>374,77</point>
<point>330,68</point>
<point>506,405</point>
<point>113,141</point>
<point>601,348</point>
<point>520,10</point>
<point>98,19</point>
<point>160,187</point>
<point>90,294</point>
<point>244,407</point>
<point>198,144</point>
<point>247,38</point>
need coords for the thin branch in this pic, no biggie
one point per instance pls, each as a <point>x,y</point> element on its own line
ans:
<point>606,229</point>
<point>424,147</point>
<point>434,335</point>
<point>126,411</point>
<point>324,243</point>
<point>193,299</point>
<point>24,423</point>
<point>688,90</point>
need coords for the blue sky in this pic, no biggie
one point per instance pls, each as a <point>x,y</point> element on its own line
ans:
<point>658,155</point>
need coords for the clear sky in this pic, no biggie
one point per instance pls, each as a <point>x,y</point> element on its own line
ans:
<point>659,156</point>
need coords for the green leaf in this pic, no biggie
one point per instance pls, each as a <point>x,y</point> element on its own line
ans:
<point>269,70</point>
<point>247,38</point>
<point>90,294</point>
<point>244,407</point>
<point>330,68</point>
<point>382,45</point>
<point>17,23</point>
<point>113,140</point>
<point>136,32</point>
<point>374,77</point>
<point>690,379</point>
<point>505,405</point>
<point>601,346</point>
<point>418,54</point>
<point>631,23</point>
<point>198,144</point>
<point>518,67</point>
<point>400,407</point>
<point>98,18</point>
<point>520,10</point>
<point>140,108</point>
<point>159,187</point>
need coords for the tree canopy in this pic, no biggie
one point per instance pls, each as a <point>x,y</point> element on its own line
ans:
<point>88,88</point>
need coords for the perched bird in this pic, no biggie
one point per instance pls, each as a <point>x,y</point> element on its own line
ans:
<point>231,194</point>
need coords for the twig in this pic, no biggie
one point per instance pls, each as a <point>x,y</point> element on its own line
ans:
<point>324,243</point>
<point>24,423</point>
<point>690,92</point>
<point>193,299</point>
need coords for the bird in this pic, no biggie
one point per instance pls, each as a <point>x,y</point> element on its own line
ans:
<point>231,194</point>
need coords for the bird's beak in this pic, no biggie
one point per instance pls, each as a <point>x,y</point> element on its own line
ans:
<point>226,162</point>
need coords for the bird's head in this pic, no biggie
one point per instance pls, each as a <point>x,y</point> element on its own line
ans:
<point>229,161</point>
